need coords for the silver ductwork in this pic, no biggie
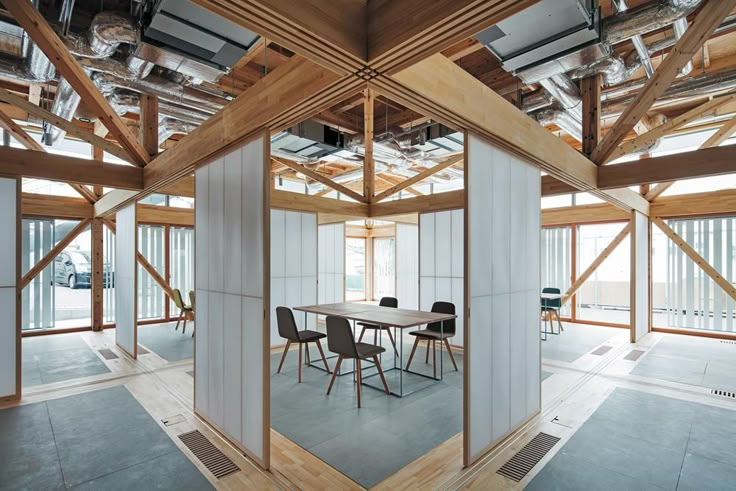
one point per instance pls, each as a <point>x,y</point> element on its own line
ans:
<point>561,118</point>
<point>65,106</point>
<point>643,19</point>
<point>107,31</point>
<point>566,93</point>
<point>639,45</point>
<point>124,101</point>
<point>171,126</point>
<point>680,26</point>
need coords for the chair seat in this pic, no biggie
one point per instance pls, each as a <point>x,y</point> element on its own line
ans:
<point>366,350</point>
<point>427,334</point>
<point>373,326</point>
<point>308,336</point>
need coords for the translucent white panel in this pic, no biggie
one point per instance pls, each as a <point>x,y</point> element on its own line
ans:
<point>339,251</point>
<point>125,279</point>
<point>500,371</point>
<point>202,230</point>
<point>8,221</point>
<point>253,378</point>
<point>201,352</point>
<point>293,259</point>
<point>215,209</point>
<point>426,244</point>
<point>482,243</point>
<point>458,243</point>
<point>232,373</point>
<point>426,292</point>
<point>309,296</point>
<point>215,357</point>
<point>517,229</point>
<point>7,340</point>
<point>500,201</point>
<point>640,276</point>
<point>232,228</point>
<point>253,216</point>
<point>481,399</point>
<point>309,244</point>
<point>8,273</point>
<point>458,288</point>
<point>443,289</point>
<point>278,243</point>
<point>407,265</point>
<point>518,351</point>
<point>293,292</point>
<point>443,244</point>
<point>278,299</point>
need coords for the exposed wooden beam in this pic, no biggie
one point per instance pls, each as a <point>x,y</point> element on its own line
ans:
<point>698,163</point>
<point>723,134</point>
<point>392,180</point>
<point>323,179</point>
<point>97,243</point>
<point>551,186</point>
<point>724,283</point>
<point>304,202</point>
<point>55,251</point>
<point>148,129</point>
<point>590,88</point>
<point>431,202</point>
<point>71,128</point>
<point>403,32</point>
<point>593,213</point>
<point>707,18</point>
<point>596,262</point>
<point>49,206</point>
<point>154,214</point>
<point>329,32</point>
<point>646,139</point>
<point>369,167</point>
<point>657,191</point>
<point>44,36</point>
<point>418,178</point>
<point>41,165</point>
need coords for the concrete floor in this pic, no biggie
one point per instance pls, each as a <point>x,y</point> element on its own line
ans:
<point>386,434</point>
<point>576,340</point>
<point>58,357</point>
<point>97,440</point>
<point>167,343</point>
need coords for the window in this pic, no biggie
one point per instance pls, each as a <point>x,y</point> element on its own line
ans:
<point>384,267</point>
<point>556,262</point>
<point>354,269</point>
<point>151,297</point>
<point>181,255</point>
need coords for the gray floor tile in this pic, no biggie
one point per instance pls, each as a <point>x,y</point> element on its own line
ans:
<point>170,471</point>
<point>672,368</point>
<point>576,341</point>
<point>40,471</point>
<point>701,474</point>
<point>58,357</point>
<point>167,343</point>
<point>546,375</point>
<point>713,435</point>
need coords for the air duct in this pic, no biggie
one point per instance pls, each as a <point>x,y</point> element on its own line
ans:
<point>561,118</point>
<point>645,18</point>
<point>566,93</point>
<point>107,31</point>
<point>171,126</point>
<point>680,26</point>
<point>124,101</point>
<point>65,105</point>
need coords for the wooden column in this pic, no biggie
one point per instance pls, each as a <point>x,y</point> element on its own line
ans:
<point>148,128</point>
<point>369,170</point>
<point>98,265</point>
<point>590,88</point>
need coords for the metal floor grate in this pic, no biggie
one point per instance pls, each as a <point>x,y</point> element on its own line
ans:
<point>723,393</point>
<point>108,354</point>
<point>724,341</point>
<point>525,459</point>
<point>634,355</point>
<point>602,350</point>
<point>213,459</point>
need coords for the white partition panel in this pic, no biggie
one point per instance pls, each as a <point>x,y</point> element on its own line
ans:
<point>441,274</point>
<point>331,263</point>
<point>639,276</point>
<point>407,265</point>
<point>293,266</point>
<point>232,270</point>
<point>10,318</point>
<point>502,348</point>
<point>126,281</point>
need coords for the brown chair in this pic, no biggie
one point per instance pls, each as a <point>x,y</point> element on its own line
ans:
<point>185,311</point>
<point>436,332</point>
<point>340,341</point>
<point>289,331</point>
<point>385,302</point>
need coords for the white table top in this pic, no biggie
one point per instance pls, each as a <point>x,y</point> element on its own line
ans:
<point>373,314</point>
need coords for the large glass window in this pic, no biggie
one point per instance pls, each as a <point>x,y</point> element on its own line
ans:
<point>683,295</point>
<point>384,267</point>
<point>108,258</point>
<point>557,260</point>
<point>604,297</point>
<point>355,268</point>
<point>151,297</point>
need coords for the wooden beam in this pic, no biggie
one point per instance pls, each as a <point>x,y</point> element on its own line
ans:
<point>148,129</point>
<point>303,202</point>
<point>724,283</point>
<point>551,186</point>
<point>71,128</point>
<point>98,282</point>
<point>646,139</point>
<point>593,213</point>
<point>332,33</point>
<point>55,251</point>
<point>441,89</point>
<point>182,217</point>
<point>418,178</point>
<point>596,262</point>
<point>697,163</point>
<point>723,134</point>
<point>403,32</point>
<point>49,206</point>
<point>590,88</point>
<point>707,18</point>
<point>44,36</point>
<point>657,191</point>
<point>431,202</point>
<point>369,167</point>
<point>323,179</point>
<point>41,165</point>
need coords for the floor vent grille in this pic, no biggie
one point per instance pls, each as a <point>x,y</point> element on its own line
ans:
<point>634,355</point>
<point>525,459</point>
<point>213,459</point>
<point>723,393</point>
<point>723,341</point>
<point>602,350</point>
<point>108,354</point>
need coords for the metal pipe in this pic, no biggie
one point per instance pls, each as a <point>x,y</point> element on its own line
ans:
<point>680,26</point>
<point>643,19</point>
<point>561,118</point>
<point>66,102</point>
<point>170,126</point>
<point>124,101</point>
<point>639,45</point>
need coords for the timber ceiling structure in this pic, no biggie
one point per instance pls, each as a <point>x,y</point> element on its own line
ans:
<point>367,112</point>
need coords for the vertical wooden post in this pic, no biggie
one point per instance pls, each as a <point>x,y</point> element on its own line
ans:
<point>148,135</point>
<point>98,265</point>
<point>97,155</point>
<point>590,88</point>
<point>369,174</point>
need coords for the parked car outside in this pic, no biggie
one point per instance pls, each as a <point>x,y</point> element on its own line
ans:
<point>74,269</point>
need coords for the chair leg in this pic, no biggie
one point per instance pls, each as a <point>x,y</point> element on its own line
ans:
<point>393,343</point>
<point>380,372</point>
<point>322,353</point>
<point>178,320</point>
<point>449,350</point>
<point>300,363</point>
<point>434,358</point>
<point>413,350</point>
<point>426,355</point>
<point>334,374</point>
<point>559,322</point>
<point>307,357</point>
<point>283,357</point>
<point>362,333</point>
<point>184,327</point>
<point>360,379</point>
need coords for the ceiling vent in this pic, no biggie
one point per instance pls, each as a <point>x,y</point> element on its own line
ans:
<point>187,38</point>
<point>548,31</point>
<point>308,140</point>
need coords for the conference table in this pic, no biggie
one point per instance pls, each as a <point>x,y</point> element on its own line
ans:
<point>398,319</point>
